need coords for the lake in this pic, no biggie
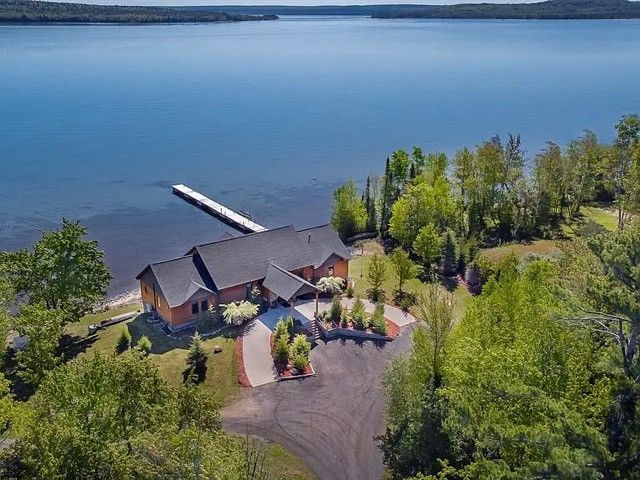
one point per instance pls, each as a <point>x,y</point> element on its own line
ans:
<point>98,121</point>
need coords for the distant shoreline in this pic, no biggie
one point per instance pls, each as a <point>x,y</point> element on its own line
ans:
<point>547,10</point>
<point>27,12</point>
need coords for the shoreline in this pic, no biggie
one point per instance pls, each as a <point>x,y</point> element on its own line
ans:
<point>112,301</point>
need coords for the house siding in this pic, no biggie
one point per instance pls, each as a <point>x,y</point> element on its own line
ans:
<point>233,294</point>
<point>340,269</point>
<point>182,314</point>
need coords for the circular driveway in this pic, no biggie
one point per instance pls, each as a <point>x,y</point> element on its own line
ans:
<point>330,420</point>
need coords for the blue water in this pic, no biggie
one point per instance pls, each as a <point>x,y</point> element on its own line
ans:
<point>97,121</point>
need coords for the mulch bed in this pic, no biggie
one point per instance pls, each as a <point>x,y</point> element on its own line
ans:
<point>243,379</point>
<point>284,373</point>
<point>393,330</point>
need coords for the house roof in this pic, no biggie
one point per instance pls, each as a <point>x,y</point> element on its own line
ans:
<point>242,259</point>
<point>285,284</point>
<point>180,278</point>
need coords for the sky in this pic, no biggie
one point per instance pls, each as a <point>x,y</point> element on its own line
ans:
<point>285,2</point>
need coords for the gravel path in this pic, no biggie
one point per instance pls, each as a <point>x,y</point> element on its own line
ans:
<point>330,420</point>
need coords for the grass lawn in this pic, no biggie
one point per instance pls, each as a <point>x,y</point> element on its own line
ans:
<point>602,216</point>
<point>539,247</point>
<point>168,353</point>
<point>283,463</point>
<point>358,273</point>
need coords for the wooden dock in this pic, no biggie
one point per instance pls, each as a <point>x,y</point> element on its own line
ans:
<point>222,213</point>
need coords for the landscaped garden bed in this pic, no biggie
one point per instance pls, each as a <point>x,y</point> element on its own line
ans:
<point>290,351</point>
<point>356,322</point>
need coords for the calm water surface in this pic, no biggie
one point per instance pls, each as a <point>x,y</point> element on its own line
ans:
<point>96,122</point>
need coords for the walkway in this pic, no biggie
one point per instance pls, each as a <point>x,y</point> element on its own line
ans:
<point>216,209</point>
<point>256,354</point>
<point>391,313</point>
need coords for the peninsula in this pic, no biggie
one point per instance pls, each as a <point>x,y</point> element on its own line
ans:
<point>26,11</point>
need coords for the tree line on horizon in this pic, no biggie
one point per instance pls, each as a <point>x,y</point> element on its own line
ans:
<point>27,11</point>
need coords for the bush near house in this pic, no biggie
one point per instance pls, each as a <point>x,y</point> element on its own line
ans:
<point>377,323</point>
<point>359,316</point>
<point>290,350</point>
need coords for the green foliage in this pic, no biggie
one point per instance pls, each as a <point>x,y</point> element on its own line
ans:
<point>336,309</point>
<point>86,412</point>
<point>377,323</point>
<point>428,245</point>
<point>43,329</point>
<point>450,253</point>
<point>473,278</point>
<point>359,315</point>
<point>405,268</point>
<point>349,291</point>
<point>299,361</point>
<point>348,212</point>
<point>144,345</point>
<point>64,271</point>
<point>422,204</point>
<point>511,372</point>
<point>281,349</point>
<point>331,285</point>
<point>197,360</point>
<point>283,329</point>
<point>376,275</point>
<point>237,313</point>
<point>300,346</point>
<point>124,341</point>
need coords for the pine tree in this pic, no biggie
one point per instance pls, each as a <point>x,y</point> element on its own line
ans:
<point>197,359</point>
<point>450,253</point>
<point>370,206</point>
<point>387,191</point>
<point>124,341</point>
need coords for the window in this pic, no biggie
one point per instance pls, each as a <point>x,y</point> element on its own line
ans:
<point>204,305</point>
<point>330,271</point>
<point>194,308</point>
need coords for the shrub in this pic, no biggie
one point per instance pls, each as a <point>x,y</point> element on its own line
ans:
<point>336,309</point>
<point>300,362</point>
<point>124,341</point>
<point>281,331</point>
<point>144,345</point>
<point>236,313</point>
<point>359,315</point>
<point>300,346</point>
<point>349,291</point>
<point>404,300</point>
<point>197,359</point>
<point>332,285</point>
<point>344,320</point>
<point>378,323</point>
<point>281,349</point>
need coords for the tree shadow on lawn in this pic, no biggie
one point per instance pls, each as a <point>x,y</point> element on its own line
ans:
<point>449,283</point>
<point>73,345</point>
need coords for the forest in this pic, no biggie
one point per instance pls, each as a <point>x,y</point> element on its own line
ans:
<point>26,11</point>
<point>550,9</point>
<point>540,376</point>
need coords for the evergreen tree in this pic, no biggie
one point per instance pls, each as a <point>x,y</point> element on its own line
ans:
<point>450,253</point>
<point>124,341</point>
<point>197,359</point>
<point>387,200</point>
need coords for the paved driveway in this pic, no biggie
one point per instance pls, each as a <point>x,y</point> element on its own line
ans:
<point>330,420</point>
<point>256,354</point>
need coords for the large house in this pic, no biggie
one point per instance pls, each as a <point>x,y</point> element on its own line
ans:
<point>282,263</point>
